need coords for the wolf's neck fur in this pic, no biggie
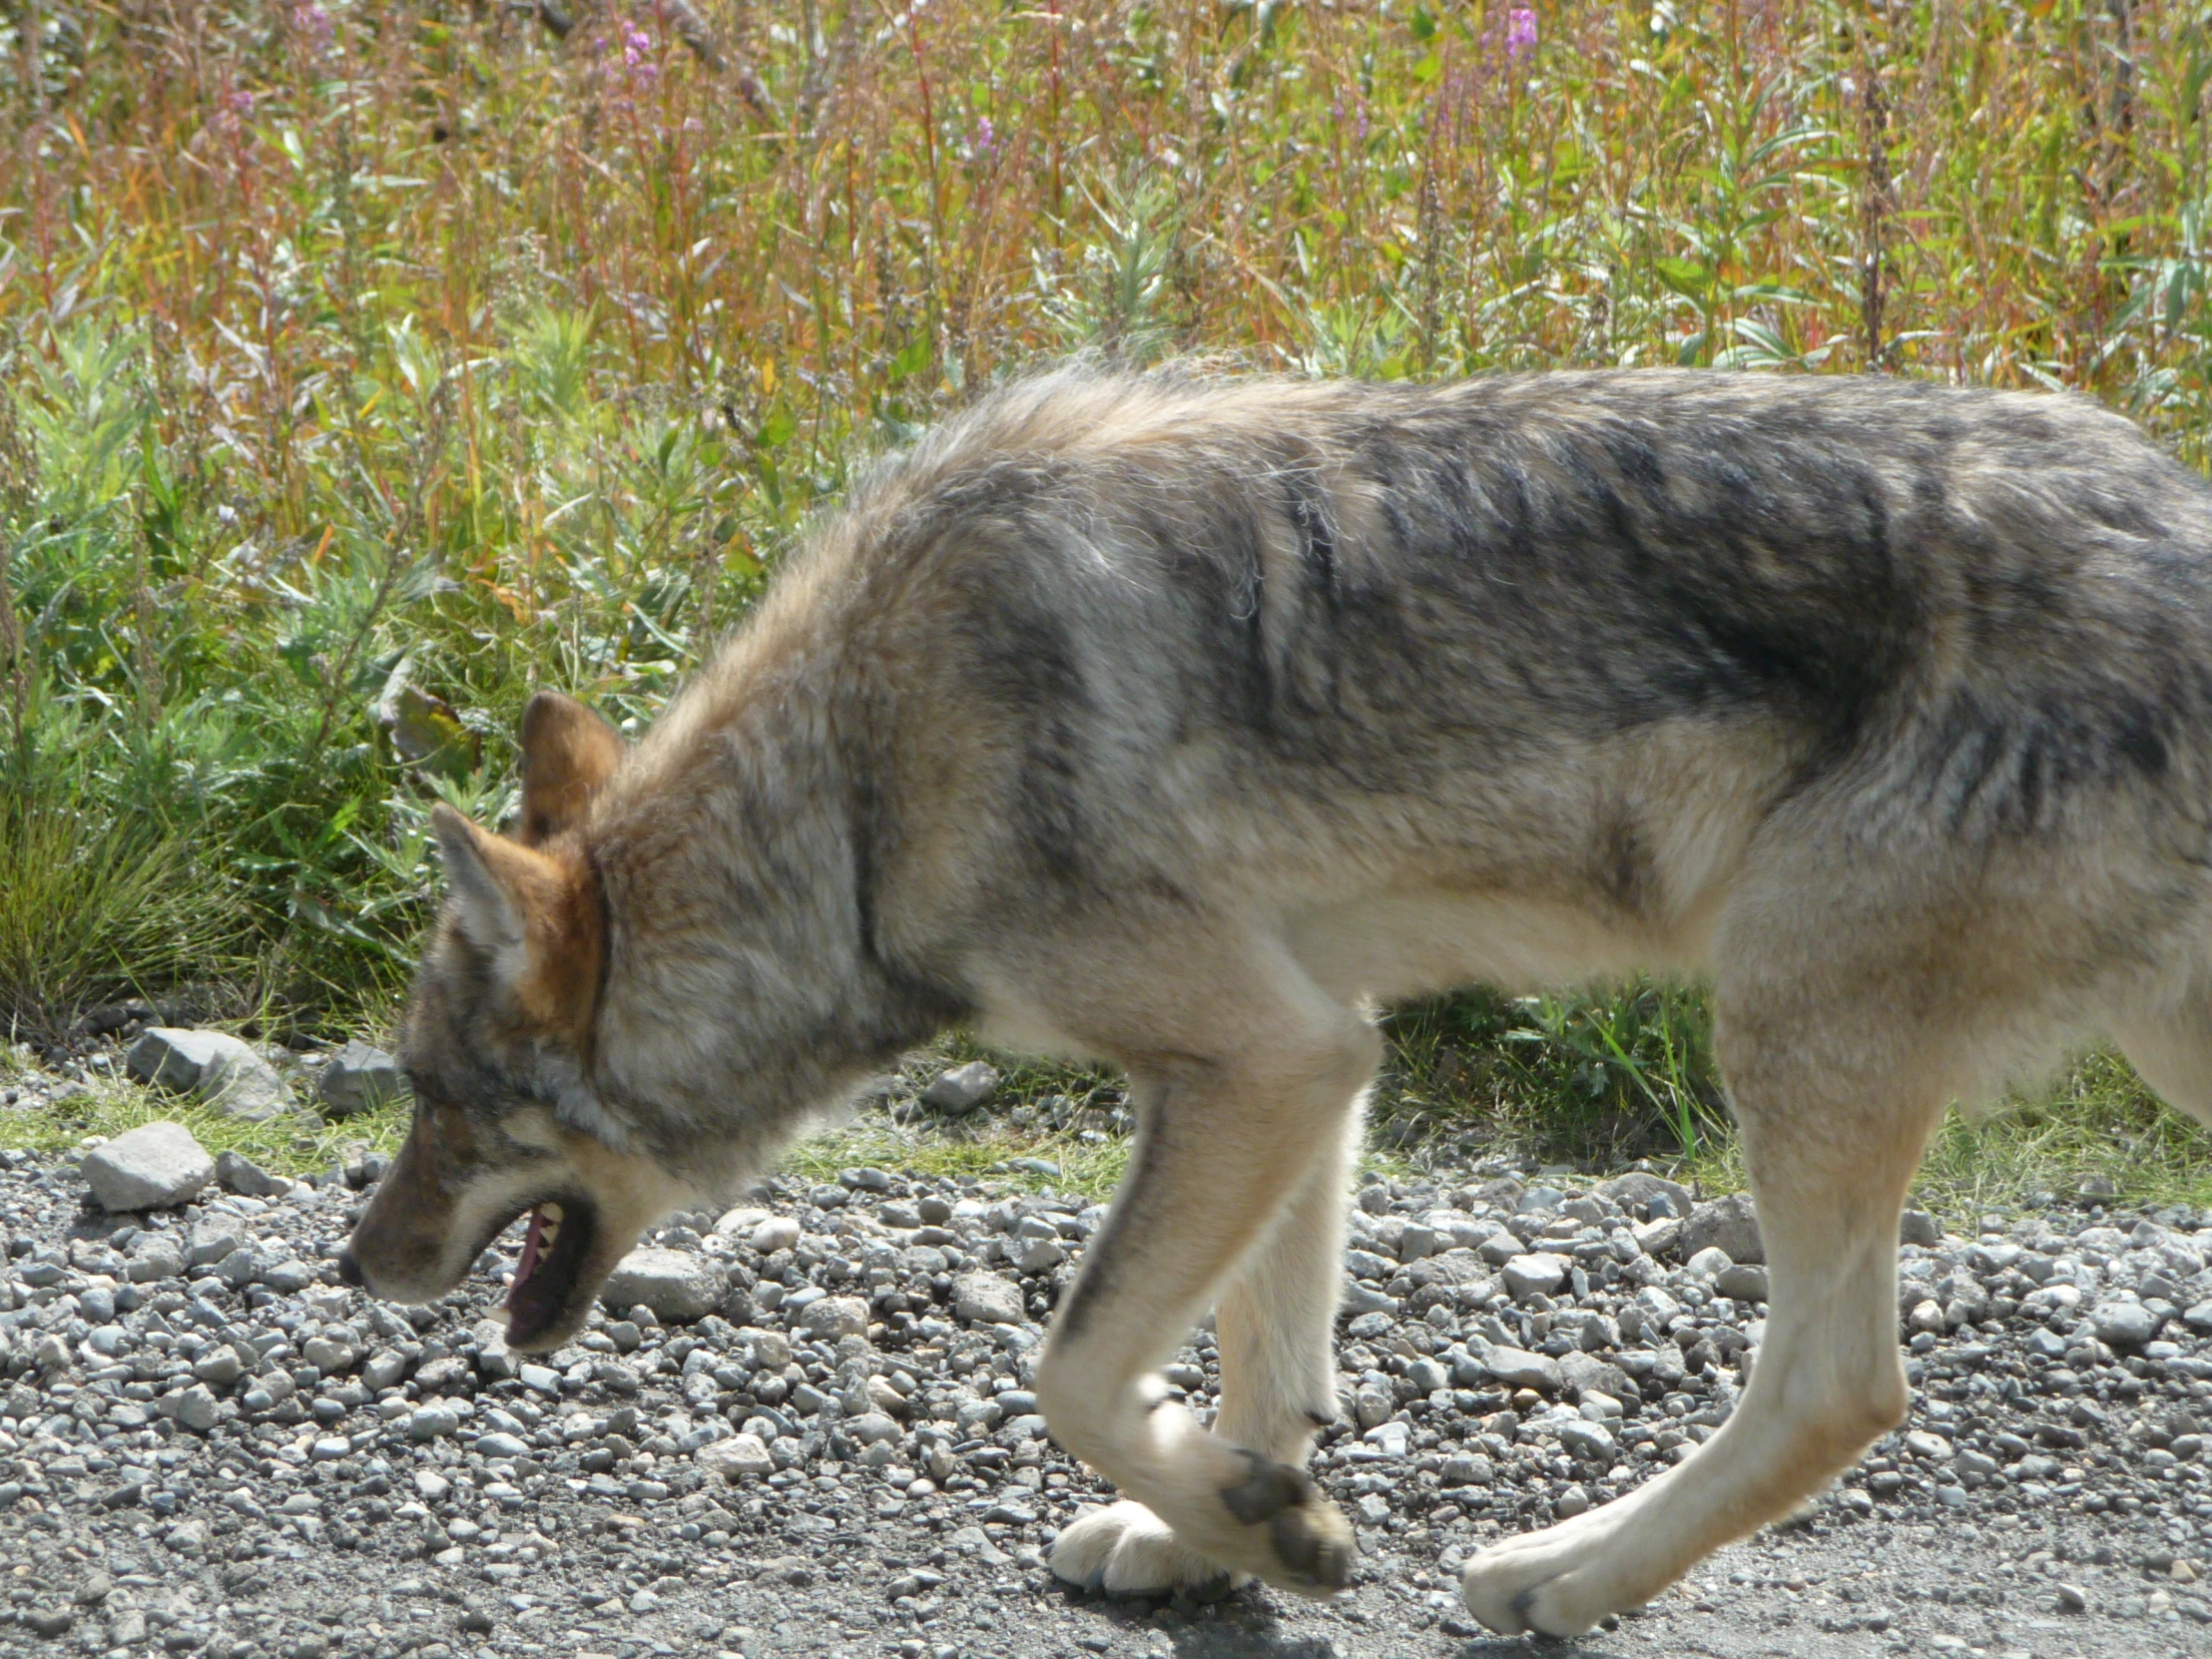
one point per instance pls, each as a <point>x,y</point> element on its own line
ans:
<point>743,990</point>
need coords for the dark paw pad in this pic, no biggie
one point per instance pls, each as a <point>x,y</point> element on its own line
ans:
<point>1314,1556</point>
<point>1267,1489</point>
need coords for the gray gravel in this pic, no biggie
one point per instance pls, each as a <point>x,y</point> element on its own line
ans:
<point>826,1440</point>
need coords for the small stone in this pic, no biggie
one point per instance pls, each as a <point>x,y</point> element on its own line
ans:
<point>358,1078</point>
<point>1639,1189</point>
<point>2071,1597</point>
<point>677,1285</point>
<point>216,1236</point>
<point>1467,1471</point>
<point>432,1422</point>
<point>1040,1256</point>
<point>1527,1275</point>
<point>774,1234</point>
<point>1519,1368</point>
<point>1584,1373</point>
<point>2199,1318</point>
<point>154,1256</point>
<point>988,1299</point>
<point>2124,1324</point>
<point>1728,1224</point>
<point>242,1085</point>
<point>834,1316</point>
<point>1710,1262</point>
<point>1917,1227</point>
<point>964,1088</point>
<point>221,1367</point>
<point>736,1455</point>
<point>327,1356</point>
<point>288,1277</point>
<point>1742,1281</point>
<point>154,1167</point>
<point>873,1428</point>
<point>196,1407</point>
<point>241,1175</point>
<point>1571,1503</point>
<point>1588,1440</point>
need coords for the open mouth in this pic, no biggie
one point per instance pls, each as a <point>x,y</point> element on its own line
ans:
<point>547,1276</point>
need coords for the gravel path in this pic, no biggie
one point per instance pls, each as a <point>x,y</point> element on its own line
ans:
<point>209,1445</point>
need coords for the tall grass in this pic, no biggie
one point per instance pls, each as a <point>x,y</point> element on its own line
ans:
<point>363,367</point>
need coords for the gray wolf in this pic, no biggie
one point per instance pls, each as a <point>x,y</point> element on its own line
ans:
<point>1181,721</point>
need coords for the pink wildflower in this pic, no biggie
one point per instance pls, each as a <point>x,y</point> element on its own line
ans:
<point>1520,33</point>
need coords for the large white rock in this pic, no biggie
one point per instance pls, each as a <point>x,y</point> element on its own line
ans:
<point>677,1285</point>
<point>214,1065</point>
<point>154,1167</point>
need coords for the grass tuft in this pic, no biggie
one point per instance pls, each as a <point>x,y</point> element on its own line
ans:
<point>296,1144</point>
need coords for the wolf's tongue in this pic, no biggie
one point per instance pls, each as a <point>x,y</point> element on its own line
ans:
<point>529,1263</point>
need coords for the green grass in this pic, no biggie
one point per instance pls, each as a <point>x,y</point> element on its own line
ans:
<point>295,1144</point>
<point>2094,1120</point>
<point>363,368</point>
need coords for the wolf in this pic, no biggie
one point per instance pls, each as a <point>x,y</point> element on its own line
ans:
<point>1183,721</point>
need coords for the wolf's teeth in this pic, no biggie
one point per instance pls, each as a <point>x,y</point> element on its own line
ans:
<point>552,1214</point>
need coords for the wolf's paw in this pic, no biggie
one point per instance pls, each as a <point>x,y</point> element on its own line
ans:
<point>1557,1582</point>
<point>1125,1549</point>
<point>1301,1540</point>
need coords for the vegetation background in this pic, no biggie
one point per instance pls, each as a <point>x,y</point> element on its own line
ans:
<point>365,366</point>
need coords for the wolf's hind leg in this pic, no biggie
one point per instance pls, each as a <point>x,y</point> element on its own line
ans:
<point>1834,1114</point>
<point>1278,1380</point>
<point>1254,1081</point>
<point>2173,1052</point>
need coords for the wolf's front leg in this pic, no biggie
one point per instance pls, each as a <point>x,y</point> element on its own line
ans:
<point>1278,1382</point>
<point>1234,1155</point>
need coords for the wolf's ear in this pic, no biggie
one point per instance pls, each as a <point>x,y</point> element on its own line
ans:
<point>488,886</point>
<point>535,915</point>
<point>568,750</point>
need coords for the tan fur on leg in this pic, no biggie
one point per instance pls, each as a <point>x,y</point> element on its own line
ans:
<point>1832,1129</point>
<point>1222,1137</point>
<point>1278,1384</point>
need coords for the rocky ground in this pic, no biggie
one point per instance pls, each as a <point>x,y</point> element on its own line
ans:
<point>806,1426</point>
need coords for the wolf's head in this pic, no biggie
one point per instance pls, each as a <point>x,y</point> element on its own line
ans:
<point>498,1045</point>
